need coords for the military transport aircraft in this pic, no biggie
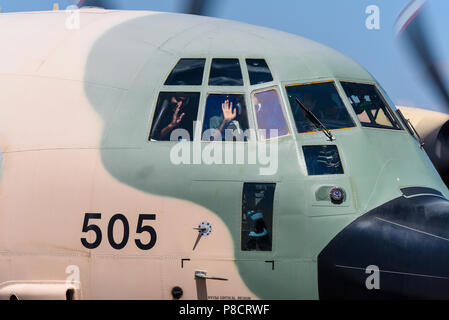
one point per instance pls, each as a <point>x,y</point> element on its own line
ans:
<point>334,197</point>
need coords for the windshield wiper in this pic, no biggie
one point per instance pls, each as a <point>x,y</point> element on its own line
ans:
<point>314,120</point>
<point>411,128</point>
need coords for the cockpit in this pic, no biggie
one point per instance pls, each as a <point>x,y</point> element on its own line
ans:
<point>229,97</point>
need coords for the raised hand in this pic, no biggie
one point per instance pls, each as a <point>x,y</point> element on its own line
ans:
<point>177,118</point>
<point>228,113</point>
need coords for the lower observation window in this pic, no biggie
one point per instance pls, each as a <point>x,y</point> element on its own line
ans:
<point>321,160</point>
<point>257,216</point>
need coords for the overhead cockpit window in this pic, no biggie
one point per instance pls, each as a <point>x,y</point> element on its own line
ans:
<point>270,117</point>
<point>323,100</point>
<point>257,216</point>
<point>258,71</point>
<point>174,116</point>
<point>369,106</point>
<point>225,118</point>
<point>225,72</point>
<point>187,72</point>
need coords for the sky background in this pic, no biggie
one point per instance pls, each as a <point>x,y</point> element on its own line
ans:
<point>337,24</point>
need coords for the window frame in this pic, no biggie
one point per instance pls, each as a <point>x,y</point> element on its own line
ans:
<point>273,78</point>
<point>245,75</point>
<point>224,90</point>
<point>265,253</point>
<point>155,106</point>
<point>186,85</point>
<point>282,104</point>
<point>326,145</point>
<point>337,89</point>
<point>381,95</point>
<point>205,90</point>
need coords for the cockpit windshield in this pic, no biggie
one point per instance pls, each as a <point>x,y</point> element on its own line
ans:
<point>323,101</point>
<point>370,107</point>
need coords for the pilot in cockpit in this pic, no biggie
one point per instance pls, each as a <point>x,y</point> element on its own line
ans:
<point>225,113</point>
<point>324,107</point>
<point>226,119</point>
<point>333,112</point>
<point>310,101</point>
<point>169,118</point>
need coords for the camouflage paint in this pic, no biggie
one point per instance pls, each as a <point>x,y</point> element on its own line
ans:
<point>97,88</point>
<point>377,162</point>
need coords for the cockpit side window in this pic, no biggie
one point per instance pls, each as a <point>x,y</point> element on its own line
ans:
<point>258,71</point>
<point>225,118</point>
<point>225,72</point>
<point>174,116</point>
<point>323,100</point>
<point>270,117</point>
<point>369,106</point>
<point>187,72</point>
<point>257,216</point>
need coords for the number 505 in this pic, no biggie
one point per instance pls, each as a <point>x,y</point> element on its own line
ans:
<point>141,228</point>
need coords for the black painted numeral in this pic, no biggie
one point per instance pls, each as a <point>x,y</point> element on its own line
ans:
<point>141,228</point>
<point>149,229</point>
<point>93,227</point>
<point>122,244</point>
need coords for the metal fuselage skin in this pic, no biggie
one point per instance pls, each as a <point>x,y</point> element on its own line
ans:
<point>75,116</point>
<point>433,127</point>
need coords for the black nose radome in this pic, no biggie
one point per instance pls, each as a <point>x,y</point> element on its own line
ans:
<point>399,250</point>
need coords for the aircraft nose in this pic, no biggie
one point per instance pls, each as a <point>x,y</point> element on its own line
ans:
<point>399,250</point>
